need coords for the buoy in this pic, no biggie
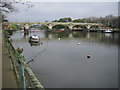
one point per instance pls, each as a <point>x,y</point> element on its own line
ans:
<point>78,43</point>
<point>88,56</point>
<point>58,38</point>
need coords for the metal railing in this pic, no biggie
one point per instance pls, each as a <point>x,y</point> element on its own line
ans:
<point>24,75</point>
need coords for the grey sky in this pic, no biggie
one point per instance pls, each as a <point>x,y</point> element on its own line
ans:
<point>43,11</point>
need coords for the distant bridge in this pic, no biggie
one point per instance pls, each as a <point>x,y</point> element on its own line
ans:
<point>68,25</point>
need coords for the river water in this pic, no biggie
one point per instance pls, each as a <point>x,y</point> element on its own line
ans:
<point>61,60</point>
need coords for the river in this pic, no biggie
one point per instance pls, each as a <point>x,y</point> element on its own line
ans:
<point>62,61</point>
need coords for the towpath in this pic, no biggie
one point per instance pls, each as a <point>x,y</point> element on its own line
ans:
<point>8,76</point>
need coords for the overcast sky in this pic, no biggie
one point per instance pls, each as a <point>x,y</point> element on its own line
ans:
<point>50,11</point>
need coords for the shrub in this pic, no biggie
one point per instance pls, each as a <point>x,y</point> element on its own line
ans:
<point>14,27</point>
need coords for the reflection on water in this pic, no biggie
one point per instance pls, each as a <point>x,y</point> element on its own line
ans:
<point>34,43</point>
<point>63,62</point>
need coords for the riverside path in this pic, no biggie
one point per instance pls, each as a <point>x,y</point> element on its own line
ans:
<point>8,77</point>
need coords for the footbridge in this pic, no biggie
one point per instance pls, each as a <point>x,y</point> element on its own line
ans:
<point>68,25</point>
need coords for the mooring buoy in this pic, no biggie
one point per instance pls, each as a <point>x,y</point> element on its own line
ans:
<point>78,43</point>
<point>88,56</point>
<point>58,38</point>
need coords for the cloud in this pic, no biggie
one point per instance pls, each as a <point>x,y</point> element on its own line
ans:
<point>43,11</point>
<point>73,0</point>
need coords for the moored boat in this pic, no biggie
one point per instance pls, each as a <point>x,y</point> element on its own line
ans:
<point>34,38</point>
<point>108,31</point>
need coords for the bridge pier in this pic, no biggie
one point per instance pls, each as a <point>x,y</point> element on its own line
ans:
<point>88,26</point>
<point>26,27</point>
<point>50,27</point>
<point>70,27</point>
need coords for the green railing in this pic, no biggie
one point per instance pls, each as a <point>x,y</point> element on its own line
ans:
<point>24,75</point>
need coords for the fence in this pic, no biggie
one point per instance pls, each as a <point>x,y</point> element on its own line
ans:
<point>24,75</point>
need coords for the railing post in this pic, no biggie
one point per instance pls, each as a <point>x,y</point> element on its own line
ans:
<point>21,76</point>
<point>22,82</point>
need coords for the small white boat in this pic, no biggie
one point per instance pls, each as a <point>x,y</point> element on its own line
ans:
<point>34,38</point>
<point>108,31</point>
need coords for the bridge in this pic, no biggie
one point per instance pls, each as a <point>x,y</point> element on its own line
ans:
<point>68,25</point>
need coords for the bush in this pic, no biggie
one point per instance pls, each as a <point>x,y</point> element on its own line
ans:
<point>14,27</point>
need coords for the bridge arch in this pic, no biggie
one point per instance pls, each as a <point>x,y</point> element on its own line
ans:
<point>79,27</point>
<point>94,27</point>
<point>44,27</point>
<point>60,26</point>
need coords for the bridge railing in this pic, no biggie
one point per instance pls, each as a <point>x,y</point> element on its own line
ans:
<point>24,75</point>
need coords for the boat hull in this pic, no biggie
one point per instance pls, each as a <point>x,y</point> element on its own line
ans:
<point>33,40</point>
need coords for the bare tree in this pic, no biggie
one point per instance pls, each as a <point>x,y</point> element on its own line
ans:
<point>7,7</point>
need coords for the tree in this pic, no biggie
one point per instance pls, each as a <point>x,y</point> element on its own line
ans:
<point>55,21</point>
<point>79,20</point>
<point>7,7</point>
<point>68,19</point>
